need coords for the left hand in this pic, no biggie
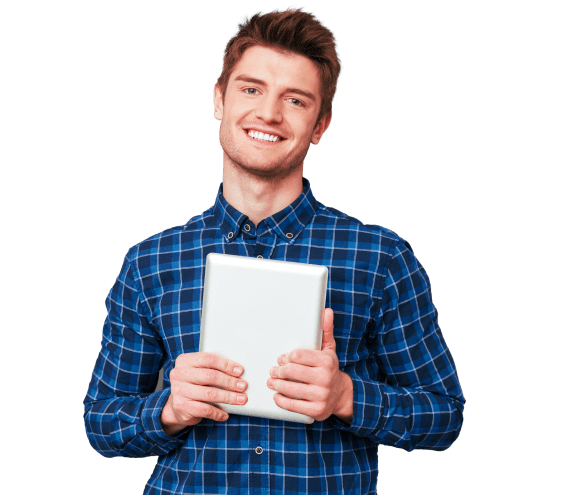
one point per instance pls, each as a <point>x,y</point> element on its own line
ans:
<point>310,382</point>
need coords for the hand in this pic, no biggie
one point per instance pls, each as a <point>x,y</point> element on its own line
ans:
<point>197,379</point>
<point>310,382</point>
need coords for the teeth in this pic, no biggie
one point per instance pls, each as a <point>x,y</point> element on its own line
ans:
<point>263,137</point>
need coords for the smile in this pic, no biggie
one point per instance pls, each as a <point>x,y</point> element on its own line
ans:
<point>260,136</point>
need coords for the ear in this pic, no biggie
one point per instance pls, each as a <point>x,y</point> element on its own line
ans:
<point>321,128</point>
<point>217,99</point>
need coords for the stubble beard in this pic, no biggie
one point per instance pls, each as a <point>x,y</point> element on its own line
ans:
<point>277,170</point>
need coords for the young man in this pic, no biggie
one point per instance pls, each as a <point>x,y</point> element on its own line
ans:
<point>383,375</point>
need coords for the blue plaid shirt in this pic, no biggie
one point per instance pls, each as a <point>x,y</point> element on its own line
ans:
<point>405,387</point>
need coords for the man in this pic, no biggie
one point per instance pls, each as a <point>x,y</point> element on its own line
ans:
<point>383,375</point>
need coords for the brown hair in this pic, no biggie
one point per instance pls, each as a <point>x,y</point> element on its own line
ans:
<point>293,31</point>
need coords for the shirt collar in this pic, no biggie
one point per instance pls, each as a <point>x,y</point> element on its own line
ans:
<point>287,223</point>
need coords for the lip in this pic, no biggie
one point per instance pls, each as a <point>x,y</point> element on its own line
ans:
<point>257,142</point>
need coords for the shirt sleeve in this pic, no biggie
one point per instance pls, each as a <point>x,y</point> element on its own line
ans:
<point>414,400</point>
<point>122,411</point>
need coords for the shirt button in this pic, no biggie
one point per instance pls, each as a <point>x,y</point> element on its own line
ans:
<point>230,235</point>
<point>259,450</point>
<point>259,256</point>
<point>289,235</point>
<point>247,228</point>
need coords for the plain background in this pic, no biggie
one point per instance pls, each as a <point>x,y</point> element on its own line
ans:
<point>446,128</point>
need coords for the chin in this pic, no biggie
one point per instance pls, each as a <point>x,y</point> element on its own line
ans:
<point>274,171</point>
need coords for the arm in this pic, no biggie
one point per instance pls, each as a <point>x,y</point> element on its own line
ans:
<point>407,395</point>
<point>416,401</point>
<point>123,416</point>
<point>122,411</point>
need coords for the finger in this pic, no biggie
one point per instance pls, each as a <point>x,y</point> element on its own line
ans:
<point>313,409</point>
<point>328,341</point>
<point>296,390</point>
<point>306,357</point>
<point>212,360</point>
<point>297,372</point>
<point>188,409</point>
<point>209,376</point>
<point>211,394</point>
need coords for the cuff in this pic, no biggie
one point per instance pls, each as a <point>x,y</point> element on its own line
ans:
<point>369,404</point>
<point>150,420</point>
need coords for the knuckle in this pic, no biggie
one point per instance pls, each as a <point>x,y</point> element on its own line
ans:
<point>209,375</point>
<point>208,411</point>
<point>212,394</point>
<point>325,380</point>
<point>317,409</point>
<point>207,360</point>
<point>173,375</point>
<point>230,382</point>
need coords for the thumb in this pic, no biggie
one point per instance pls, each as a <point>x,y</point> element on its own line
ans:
<point>328,342</point>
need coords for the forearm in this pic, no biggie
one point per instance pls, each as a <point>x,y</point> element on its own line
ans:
<point>128,426</point>
<point>407,418</point>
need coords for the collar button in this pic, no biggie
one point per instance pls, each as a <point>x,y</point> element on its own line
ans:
<point>289,235</point>
<point>230,235</point>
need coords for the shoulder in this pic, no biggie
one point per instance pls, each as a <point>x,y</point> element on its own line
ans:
<point>342,224</point>
<point>169,240</point>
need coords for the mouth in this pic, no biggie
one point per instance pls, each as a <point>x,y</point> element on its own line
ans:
<point>264,137</point>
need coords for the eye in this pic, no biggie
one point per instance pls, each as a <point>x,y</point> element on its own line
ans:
<point>296,102</point>
<point>251,91</point>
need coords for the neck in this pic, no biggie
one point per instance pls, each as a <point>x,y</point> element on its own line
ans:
<point>260,197</point>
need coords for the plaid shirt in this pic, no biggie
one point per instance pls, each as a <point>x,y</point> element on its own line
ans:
<point>405,387</point>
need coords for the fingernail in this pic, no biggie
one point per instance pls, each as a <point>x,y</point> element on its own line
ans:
<point>237,370</point>
<point>241,399</point>
<point>273,371</point>
<point>240,385</point>
<point>281,359</point>
<point>270,383</point>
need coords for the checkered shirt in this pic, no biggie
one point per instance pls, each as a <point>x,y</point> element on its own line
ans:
<point>406,391</point>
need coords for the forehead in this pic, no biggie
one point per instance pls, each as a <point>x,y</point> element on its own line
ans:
<point>282,70</point>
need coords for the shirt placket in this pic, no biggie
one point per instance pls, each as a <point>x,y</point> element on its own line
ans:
<point>259,456</point>
<point>259,243</point>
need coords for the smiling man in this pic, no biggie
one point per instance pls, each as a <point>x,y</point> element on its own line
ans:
<point>384,374</point>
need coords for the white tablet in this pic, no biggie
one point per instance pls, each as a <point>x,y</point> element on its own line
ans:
<point>254,310</point>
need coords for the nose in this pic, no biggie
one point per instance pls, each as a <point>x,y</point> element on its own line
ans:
<point>270,110</point>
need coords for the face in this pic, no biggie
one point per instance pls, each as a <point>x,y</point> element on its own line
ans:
<point>269,113</point>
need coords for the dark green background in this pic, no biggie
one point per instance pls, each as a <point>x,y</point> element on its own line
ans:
<point>446,129</point>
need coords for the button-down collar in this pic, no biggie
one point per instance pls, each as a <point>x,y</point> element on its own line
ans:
<point>287,223</point>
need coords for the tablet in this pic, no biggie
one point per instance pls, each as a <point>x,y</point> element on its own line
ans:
<point>254,310</point>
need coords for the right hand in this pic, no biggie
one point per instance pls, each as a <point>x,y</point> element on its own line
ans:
<point>197,379</point>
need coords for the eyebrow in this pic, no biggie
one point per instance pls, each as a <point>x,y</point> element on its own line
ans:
<point>253,80</point>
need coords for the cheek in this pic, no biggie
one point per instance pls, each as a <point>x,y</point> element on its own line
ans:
<point>237,108</point>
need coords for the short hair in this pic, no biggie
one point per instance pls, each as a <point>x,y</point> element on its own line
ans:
<point>294,31</point>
